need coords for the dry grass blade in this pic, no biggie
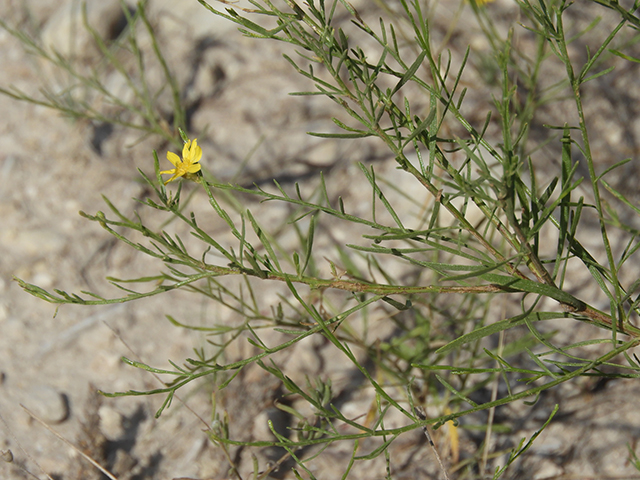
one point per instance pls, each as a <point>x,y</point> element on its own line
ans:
<point>76,449</point>
<point>420,413</point>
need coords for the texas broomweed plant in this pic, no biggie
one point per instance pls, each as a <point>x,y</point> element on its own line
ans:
<point>488,215</point>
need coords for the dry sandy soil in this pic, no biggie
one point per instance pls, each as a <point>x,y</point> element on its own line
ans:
<point>52,167</point>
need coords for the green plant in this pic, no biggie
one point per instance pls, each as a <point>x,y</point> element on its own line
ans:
<point>488,216</point>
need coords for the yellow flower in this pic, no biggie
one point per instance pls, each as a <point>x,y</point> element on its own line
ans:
<point>188,164</point>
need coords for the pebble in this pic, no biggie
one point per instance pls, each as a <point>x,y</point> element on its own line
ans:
<point>65,31</point>
<point>110,423</point>
<point>6,455</point>
<point>547,469</point>
<point>48,404</point>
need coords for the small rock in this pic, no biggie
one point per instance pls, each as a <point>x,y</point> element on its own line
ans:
<point>6,455</point>
<point>48,404</point>
<point>547,469</point>
<point>110,423</point>
<point>66,33</point>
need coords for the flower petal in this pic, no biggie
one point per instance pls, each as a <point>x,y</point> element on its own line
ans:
<point>196,153</point>
<point>193,168</point>
<point>177,175</point>
<point>173,158</point>
<point>185,150</point>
